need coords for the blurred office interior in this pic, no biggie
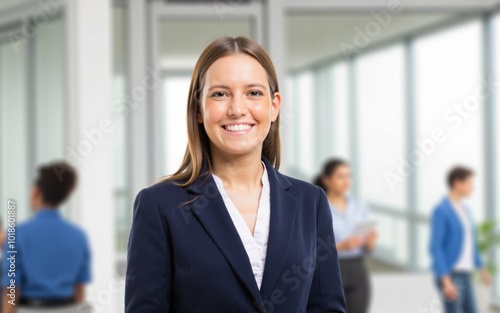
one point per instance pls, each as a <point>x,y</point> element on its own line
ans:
<point>402,89</point>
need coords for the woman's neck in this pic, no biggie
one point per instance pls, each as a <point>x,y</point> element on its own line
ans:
<point>338,199</point>
<point>238,170</point>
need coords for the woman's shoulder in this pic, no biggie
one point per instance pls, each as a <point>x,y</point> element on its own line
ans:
<point>299,186</point>
<point>167,187</point>
<point>357,201</point>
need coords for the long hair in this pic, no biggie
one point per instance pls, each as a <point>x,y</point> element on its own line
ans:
<point>329,168</point>
<point>197,158</point>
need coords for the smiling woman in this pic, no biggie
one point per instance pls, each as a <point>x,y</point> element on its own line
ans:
<point>227,232</point>
<point>237,67</point>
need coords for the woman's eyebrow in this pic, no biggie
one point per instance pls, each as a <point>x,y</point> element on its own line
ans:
<point>218,86</point>
<point>256,85</point>
<point>227,87</point>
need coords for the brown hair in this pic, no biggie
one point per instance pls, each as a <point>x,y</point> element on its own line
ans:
<point>56,181</point>
<point>329,168</point>
<point>458,173</point>
<point>197,158</point>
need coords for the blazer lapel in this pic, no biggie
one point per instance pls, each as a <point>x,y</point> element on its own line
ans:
<point>212,213</point>
<point>456,219</point>
<point>283,212</point>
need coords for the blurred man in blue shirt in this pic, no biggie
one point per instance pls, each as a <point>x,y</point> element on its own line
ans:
<point>49,263</point>
<point>453,246</point>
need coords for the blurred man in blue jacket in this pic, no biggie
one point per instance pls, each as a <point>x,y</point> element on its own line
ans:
<point>51,256</point>
<point>453,245</point>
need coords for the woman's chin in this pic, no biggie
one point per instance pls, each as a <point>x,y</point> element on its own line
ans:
<point>239,150</point>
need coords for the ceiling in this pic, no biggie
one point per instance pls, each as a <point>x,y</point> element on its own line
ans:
<point>310,37</point>
<point>313,37</point>
<point>182,40</point>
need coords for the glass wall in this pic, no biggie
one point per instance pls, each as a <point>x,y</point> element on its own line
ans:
<point>14,126</point>
<point>381,126</point>
<point>287,129</point>
<point>381,137</point>
<point>449,118</point>
<point>32,113</point>
<point>418,123</point>
<point>340,116</point>
<point>305,105</point>
<point>49,100</point>
<point>173,121</point>
<point>322,103</point>
<point>123,206</point>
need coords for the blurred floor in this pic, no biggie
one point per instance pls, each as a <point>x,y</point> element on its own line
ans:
<point>397,291</point>
<point>413,293</point>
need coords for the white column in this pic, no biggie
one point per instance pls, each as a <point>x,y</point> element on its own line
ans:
<point>142,83</point>
<point>276,35</point>
<point>275,43</point>
<point>89,70</point>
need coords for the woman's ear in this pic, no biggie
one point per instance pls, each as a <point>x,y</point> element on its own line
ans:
<point>276,104</point>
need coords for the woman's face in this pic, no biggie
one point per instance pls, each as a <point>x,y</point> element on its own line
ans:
<point>340,181</point>
<point>237,106</point>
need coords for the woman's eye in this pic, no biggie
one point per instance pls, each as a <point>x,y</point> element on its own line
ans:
<point>218,94</point>
<point>255,93</point>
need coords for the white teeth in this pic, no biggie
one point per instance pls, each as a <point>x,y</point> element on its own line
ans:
<point>235,128</point>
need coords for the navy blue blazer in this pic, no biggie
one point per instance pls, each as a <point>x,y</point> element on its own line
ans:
<point>189,258</point>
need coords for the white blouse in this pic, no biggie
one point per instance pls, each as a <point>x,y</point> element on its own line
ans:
<point>465,260</point>
<point>256,245</point>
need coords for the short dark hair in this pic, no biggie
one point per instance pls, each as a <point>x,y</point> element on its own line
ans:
<point>56,181</point>
<point>458,173</point>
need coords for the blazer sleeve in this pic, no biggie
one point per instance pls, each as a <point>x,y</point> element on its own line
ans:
<point>327,293</point>
<point>436,247</point>
<point>148,283</point>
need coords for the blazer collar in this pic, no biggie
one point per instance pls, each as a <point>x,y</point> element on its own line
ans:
<point>203,180</point>
<point>210,210</point>
<point>450,206</point>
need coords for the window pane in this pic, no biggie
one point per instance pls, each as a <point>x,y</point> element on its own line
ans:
<point>15,181</point>
<point>381,120</point>
<point>497,125</point>
<point>392,242</point>
<point>423,232</point>
<point>287,129</point>
<point>49,89</point>
<point>449,112</point>
<point>175,93</point>
<point>123,207</point>
<point>304,109</point>
<point>340,119</point>
<point>323,104</point>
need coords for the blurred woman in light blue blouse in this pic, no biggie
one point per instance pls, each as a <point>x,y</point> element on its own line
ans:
<point>347,213</point>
